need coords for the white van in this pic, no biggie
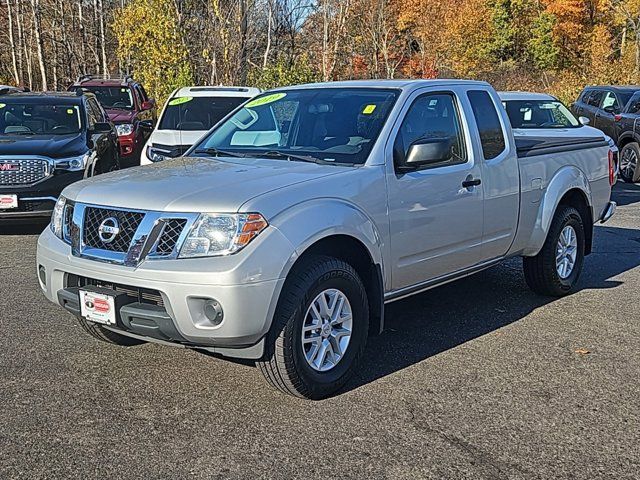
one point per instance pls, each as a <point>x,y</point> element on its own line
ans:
<point>187,115</point>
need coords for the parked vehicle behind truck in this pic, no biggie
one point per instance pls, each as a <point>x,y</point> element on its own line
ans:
<point>188,114</point>
<point>615,110</point>
<point>48,141</point>
<point>281,234</point>
<point>129,108</point>
<point>540,117</point>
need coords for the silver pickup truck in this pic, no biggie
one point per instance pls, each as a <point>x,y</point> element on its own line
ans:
<point>281,235</point>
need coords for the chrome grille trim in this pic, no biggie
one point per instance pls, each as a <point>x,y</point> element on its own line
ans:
<point>146,243</point>
<point>32,169</point>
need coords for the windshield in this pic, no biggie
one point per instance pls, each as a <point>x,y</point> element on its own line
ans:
<point>113,97</point>
<point>36,119</point>
<point>328,124</point>
<point>539,114</point>
<point>197,113</point>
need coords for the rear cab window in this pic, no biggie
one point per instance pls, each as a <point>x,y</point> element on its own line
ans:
<point>487,120</point>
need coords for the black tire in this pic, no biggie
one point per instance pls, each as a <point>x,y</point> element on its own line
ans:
<point>104,335</point>
<point>540,272</point>
<point>630,175</point>
<point>284,365</point>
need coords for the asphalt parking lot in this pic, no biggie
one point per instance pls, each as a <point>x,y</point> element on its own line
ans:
<point>476,379</point>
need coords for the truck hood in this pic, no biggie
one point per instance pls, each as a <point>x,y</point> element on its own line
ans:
<point>53,146</point>
<point>194,184</point>
<point>120,116</point>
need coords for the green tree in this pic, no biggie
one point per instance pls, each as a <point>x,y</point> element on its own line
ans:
<point>150,44</point>
<point>283,73</point>
<point>543,50</point>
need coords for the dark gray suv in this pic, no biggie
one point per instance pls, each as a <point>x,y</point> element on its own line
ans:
<point>615,110</point>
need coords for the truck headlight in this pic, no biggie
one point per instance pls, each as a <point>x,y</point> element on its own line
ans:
<point>57,217</point>
<point>154,155</point>
<point>215,234</point>
<point>72,164</point>
<point>124,129</point>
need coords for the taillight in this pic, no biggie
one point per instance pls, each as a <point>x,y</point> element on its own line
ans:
<point>612,170</point>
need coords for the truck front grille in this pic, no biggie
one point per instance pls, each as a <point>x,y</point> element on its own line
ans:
<point>127,223</point>
<point>23,171</point>
<point>141,295</point>
<point>169,237</point>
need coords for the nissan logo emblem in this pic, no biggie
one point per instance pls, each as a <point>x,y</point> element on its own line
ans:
<point>108,230</point>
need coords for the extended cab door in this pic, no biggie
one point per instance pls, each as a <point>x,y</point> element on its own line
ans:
<point>435,212</point>
<point>496,150</point>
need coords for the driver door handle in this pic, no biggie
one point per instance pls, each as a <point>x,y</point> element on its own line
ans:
<point>471,183</point>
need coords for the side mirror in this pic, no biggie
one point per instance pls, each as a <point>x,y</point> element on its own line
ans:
<point>584,120</point>
<point>610,109</point>
<point>148,104</point>
<point>147,124</point>
<point>101,127</point>
<point>427,151</point>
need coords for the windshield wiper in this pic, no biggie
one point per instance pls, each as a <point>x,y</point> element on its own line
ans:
<point>218,153</point>
<point>289,156</point>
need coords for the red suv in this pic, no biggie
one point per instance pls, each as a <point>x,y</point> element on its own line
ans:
<point>128,107</point>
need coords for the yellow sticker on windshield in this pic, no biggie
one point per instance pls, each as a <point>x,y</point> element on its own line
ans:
<point>368,110</point>
<point>70,111</point>
<point>180,100</point>
<point>2,105</point>
<point>265,100</point>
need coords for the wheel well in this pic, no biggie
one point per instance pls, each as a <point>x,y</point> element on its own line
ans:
<point>578,200</point>
<point>625,141</point>
<point>353,252</point>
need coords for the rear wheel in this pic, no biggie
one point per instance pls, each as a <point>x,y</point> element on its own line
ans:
<point>319,329</point>
<point>629,160</point>
<point>555,270</point>
<point>104,335</point>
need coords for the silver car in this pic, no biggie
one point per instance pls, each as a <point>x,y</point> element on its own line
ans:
<point>282,233</point>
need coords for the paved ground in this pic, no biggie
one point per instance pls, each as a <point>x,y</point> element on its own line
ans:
<point>477,379</point>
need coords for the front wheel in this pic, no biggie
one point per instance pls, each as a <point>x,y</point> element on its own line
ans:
<point>319,330</point>
<point>555,270</point>
<point>629,159</point>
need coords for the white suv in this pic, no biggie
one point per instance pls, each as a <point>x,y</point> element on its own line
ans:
<point>187,115</point>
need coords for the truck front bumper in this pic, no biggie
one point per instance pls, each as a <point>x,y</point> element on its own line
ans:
<point>165,306</point>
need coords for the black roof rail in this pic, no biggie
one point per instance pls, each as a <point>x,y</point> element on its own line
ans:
<point>90,76</point>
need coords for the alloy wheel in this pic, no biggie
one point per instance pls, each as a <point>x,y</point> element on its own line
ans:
<point>326,331</point>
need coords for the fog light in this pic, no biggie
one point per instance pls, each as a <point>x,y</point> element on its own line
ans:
<point>213,311</point>
<point>42,273</point>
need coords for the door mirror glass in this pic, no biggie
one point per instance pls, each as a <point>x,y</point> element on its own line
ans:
<point>427,151</point>
<point>147,124</point>
<point>148,105</point>
<point>584,120</point>
<point>101,127</point>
